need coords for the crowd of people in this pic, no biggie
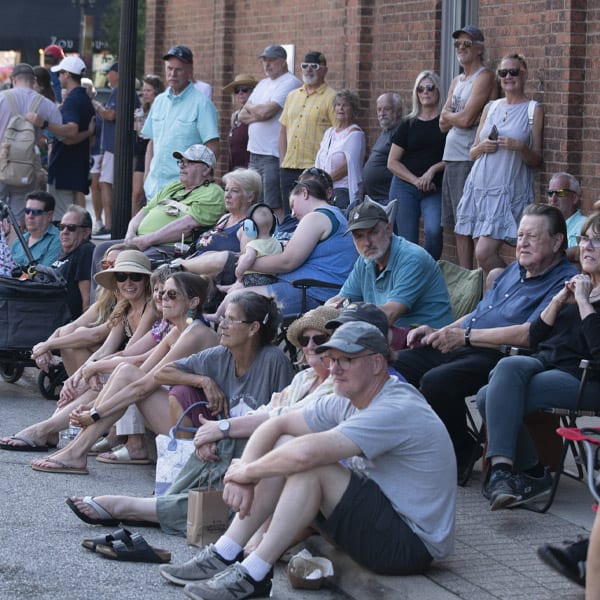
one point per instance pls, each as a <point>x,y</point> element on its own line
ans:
<point>180,318</point>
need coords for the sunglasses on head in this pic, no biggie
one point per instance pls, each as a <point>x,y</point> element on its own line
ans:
<point>318,339</point>
<point>502,73</point>
<point>463,43</point>
<point>123,277</point>
<point>243,88</point>
<point>170,294</point>
<point>316,172</point>
<point>313,66</point>
<point>559,193</point>
<point>107,264</point>
<point>426,87</point>
<point>71,228</point>
<point>36,212</point>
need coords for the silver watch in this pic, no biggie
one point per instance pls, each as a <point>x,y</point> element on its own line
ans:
<point>224,426</point>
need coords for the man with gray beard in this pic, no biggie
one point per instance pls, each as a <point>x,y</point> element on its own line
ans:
<point>307,114</point>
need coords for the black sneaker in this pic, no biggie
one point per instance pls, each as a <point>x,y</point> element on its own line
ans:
<point>206,564</point>
<point>569,560</point>
<point>529,489</point>
<point>501,489</point>
<point>234,583</point>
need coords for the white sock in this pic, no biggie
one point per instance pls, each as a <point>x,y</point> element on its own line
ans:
<point>227,547</point>
<point>257,568</point>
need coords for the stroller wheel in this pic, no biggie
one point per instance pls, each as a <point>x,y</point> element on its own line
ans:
<point>50,383</point>
<point>11,373</point>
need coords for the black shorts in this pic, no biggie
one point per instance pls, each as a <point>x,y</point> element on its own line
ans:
<point>365,525</point>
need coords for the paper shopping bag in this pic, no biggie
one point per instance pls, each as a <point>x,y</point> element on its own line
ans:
<point>207,517</point>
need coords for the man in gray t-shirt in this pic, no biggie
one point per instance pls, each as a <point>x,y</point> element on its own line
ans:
<point>371,467</point>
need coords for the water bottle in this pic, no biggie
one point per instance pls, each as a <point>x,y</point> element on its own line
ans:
<point>68,435</point>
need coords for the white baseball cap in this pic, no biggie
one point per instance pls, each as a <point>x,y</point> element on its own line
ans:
<point>72,64</point>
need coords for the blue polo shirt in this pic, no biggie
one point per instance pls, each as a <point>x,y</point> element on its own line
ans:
<point>411,277</point>
<point>176,122</point>
<point>45,251</point>
<point>516,299</point>
<point>70,164</point>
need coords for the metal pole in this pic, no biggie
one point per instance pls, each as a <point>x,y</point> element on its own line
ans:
<point>124,134</point>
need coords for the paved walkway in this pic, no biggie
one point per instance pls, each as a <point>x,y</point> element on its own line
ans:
<point>41,556</point>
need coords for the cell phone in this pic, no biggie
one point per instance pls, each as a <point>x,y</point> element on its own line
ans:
<point>493,134</point>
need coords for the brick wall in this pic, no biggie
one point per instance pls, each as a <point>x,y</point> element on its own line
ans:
<point>380,45</point>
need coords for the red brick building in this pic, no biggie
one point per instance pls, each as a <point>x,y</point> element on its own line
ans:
<point>379,45</point>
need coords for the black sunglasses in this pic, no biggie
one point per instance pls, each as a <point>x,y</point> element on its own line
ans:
<point>242,88</point>
<point>71,228</point>
<point>318,339</point>
<point>170,294</point>
<point>502,73</point>
<point>123,277</point>
<point>36,212</point>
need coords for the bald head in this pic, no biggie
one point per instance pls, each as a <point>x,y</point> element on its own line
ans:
<point>389,110</point>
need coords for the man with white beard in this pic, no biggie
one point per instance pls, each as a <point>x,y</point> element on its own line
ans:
<point>307,114</point>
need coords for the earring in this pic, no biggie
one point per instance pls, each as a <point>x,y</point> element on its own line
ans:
<point>190,317</point>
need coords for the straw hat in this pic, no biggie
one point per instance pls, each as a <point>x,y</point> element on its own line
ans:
<point>239,80</point>
<point>128,261</point>
<point>313,319</point>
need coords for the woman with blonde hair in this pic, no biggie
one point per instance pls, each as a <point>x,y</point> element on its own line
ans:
<point>415,159</point>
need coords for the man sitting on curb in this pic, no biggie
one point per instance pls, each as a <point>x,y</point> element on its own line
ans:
<point>391,506</point>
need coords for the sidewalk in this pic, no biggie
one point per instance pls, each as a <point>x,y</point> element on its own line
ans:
<point>41,557</point>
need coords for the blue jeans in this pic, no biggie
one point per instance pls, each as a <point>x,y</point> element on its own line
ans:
<point>412,204</point>
<point>518,386</point>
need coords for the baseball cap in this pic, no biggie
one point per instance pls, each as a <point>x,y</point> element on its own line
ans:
<point>361,311</point>
<point>183,53</point>
<point>55,51</point>
<point>198,153</point>
<point>273,51</point>
<point>72,64</point>
<point>315,57</point>
<point>22,69</point>
<point>355,337</point>
<point>366,215</point>
<point>474,33</point>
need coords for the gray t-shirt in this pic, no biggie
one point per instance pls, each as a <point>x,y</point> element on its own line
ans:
<point>270,372</point>
<point>376,176</point>
<point>406,450</point>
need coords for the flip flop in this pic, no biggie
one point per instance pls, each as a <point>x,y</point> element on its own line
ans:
<point>106,540</point>
<point>104,517</point>
<point>123,457</point>
<point>61,468</point>
<point>30,445</point>
<point>137,550</point>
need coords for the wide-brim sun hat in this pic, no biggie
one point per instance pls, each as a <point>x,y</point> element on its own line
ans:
<point>313,319</point>
<point>239,81</point>
<point>128,261</point>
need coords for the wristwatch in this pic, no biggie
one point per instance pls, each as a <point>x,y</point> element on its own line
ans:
<point>468,337</point>
<point>224,426</point>
<point>95,415</point>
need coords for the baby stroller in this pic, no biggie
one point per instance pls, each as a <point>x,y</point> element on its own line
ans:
<point>32,305</point>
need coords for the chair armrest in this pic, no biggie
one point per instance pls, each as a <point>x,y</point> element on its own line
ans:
<point>509,350</point>
<point>308,283</point>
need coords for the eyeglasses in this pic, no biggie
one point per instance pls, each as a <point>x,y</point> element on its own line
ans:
<point>318,339</point>
<point>584,240</point>
<point>35,212</point>
<point>123,277</point>
<point>502,73</point>
<point>429,87</point>
<point>463,43</point>
<point>243,88</point>
<point>343,362</point>
<point>107,264</point>
<point>170,294</point>
<point>559,193</point>
<point>183,162</point>
<point>313,66</point>
<point>229,321</point>
<point>320,173</point>
<point>71,228</point>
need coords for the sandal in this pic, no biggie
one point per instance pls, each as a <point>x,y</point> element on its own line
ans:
<point>102,445</point>
<point>134,549</point>
<point>106,540</point>
<point>122,457</point>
